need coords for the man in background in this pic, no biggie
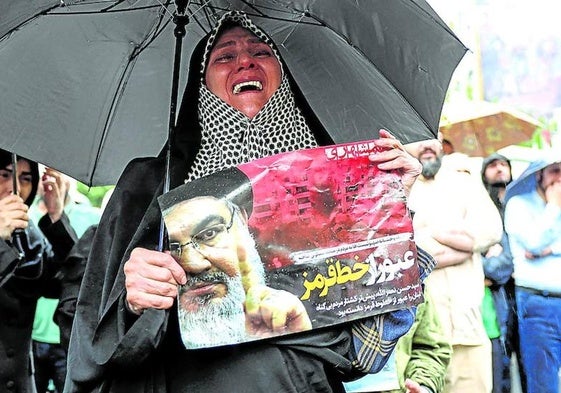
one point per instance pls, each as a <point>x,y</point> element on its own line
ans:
<point>533,224</point>
<point>496,174</point>
<point>455,220</point>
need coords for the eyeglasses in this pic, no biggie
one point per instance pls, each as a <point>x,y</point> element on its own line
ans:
<point>207,238</point>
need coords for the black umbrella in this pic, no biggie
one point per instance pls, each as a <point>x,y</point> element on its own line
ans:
<point>86,85</point>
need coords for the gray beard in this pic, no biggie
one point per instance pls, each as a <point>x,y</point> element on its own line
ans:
<point>219,322</point>
<point>215,323</point>
<point>431,168</point>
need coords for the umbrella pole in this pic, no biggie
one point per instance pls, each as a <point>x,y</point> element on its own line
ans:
<point>180,21</point>
<point>14,174</point>
<point>17,234</point>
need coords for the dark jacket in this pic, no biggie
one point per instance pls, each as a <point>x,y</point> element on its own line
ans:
<point>72,271</point>
<point>18,298</point>
<point>499,269</point>
<point>23,281</point>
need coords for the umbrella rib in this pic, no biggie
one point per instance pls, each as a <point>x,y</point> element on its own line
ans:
<point>262,14</point>
<point>108,9</point>
<point>158,28</point>
<point>146,7</point>
<point>438,22</point>
<point>289,10</point>
<point>257,12</point>
<point>205,11</point>
<point>112,6</point>
<point>202,7</point>
<point>165,7</point>
<point>44,12</point>
<point>116,97</point>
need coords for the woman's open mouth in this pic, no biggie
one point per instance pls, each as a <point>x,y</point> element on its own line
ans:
<point>247,86</point>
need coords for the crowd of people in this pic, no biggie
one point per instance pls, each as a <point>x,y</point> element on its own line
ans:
<point>494,293</point>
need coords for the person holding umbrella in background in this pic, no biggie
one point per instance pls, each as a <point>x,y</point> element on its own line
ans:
<point>533,224</point>
<point>241,106</point>
<point>29,261</point>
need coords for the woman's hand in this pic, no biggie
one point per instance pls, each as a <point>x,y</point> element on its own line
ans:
<point>396,158</point>
<point>151,280</point>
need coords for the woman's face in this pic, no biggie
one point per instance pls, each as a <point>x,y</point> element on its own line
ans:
<point>243,71</point>
<point>24,177</point>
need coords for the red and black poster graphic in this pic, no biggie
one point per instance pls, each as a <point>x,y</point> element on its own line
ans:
<point>289,243</point>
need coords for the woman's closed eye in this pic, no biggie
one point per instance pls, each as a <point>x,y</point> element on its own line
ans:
<point>264,52</point>
<point>224,58</point>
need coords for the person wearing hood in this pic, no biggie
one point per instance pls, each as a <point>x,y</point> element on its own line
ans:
<point>502,325</point>
<point>496,174</point>
<point>240,104</point>
<point>29,260</point>
<point>533,225</point>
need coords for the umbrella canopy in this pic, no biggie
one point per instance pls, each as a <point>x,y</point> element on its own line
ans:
<point>86,86</point>
<point>481,128</point>
<point>526,182</point>
<point>15,13</point>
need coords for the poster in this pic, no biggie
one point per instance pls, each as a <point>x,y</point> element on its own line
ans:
<point>289,243</point>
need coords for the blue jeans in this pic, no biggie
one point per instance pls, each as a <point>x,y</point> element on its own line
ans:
<point>539,323</point>
<point>501,366</point>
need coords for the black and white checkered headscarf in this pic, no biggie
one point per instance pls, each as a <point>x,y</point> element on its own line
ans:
<point>228,137</point>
